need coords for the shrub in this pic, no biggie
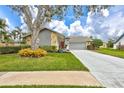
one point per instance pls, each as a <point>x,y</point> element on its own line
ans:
<point>49,48</point>
<point>97,43</point>
<point>28,52</point>
<point>11,49</point>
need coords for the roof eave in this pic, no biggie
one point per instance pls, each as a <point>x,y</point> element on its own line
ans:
<point>119,38</point>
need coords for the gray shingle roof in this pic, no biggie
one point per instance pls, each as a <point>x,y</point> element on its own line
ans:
<point>28,34</point>
<point>119,38</point>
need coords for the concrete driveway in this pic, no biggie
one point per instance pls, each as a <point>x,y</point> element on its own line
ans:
<point>107,69</point>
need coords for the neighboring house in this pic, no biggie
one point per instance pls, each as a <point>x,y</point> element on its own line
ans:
<point>1,37</point>
<point>77,42</point>
<point>1,40</point>
<point>104,45</point>
<point>47,37</point>
<point>119,42</point>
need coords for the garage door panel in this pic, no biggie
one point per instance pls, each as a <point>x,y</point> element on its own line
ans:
<point>77,46</point>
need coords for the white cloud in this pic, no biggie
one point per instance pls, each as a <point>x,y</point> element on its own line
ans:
<point>105,12</point>
<point>54,23</point>
<point>115,24</point>
<point>7,21</point>
<point>106,26</point>
<point>75,28</point>
<point>58,26</point>
<point>97,26</point>
<point>10,26</point>
<point>89,18</point>
<point>23,26</point>
<point>61,27</point>
<point>103,27</point>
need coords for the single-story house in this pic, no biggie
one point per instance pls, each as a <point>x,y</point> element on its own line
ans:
<point>47,37</point>
<point>104,45</point>
<point>119,42</point>
<point>77,42</point>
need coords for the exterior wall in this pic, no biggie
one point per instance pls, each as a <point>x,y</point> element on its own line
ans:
<point>6,44</point>
<point>45,38</point>
<point>121,41</point>
<point>28,40</point>
<point>88,43</point>
<point>54,40</point>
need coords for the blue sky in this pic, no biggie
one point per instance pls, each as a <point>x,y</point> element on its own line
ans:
<point>6,12</point>
<point>105,26</point>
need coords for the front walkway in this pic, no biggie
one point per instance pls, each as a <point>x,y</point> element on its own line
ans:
<point>48,78</point>
<point>107,69</point>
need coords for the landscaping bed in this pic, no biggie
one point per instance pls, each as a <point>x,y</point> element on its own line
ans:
<point>51,62</point>
<point>112,52</point>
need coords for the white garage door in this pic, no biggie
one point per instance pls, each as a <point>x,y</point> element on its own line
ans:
<point>77,46</point>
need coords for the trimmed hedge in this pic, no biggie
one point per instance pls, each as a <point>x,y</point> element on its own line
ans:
<point>11,49</point>
<point>49,48</point>
<point>15,49</point>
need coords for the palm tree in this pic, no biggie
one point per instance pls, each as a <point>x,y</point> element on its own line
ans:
<point>3,26</point>
<point>17,34</point>
<point>13,33</point>
<point>19,31</point>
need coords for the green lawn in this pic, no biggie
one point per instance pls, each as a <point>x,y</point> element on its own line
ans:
<point>51,62</point>
<point>49,86</point>
<point>113,52</point>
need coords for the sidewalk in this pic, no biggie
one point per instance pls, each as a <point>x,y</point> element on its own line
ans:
<point>48,78</point>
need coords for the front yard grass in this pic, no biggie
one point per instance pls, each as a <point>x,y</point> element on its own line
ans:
<point>112,52</point>
<point>51,62</point>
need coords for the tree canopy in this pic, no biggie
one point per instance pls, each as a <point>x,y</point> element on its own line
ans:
<point>37,16</point>
<point>97,42</point>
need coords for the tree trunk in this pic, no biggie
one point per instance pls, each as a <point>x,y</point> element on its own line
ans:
<point>34,40</point>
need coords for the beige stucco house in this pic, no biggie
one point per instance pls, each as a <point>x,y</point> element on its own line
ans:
<point>47,37</point>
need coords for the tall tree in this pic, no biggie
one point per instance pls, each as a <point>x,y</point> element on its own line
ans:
<point>3,31</point>
<point>97,43</point>
<point>16,34</point>
<point>110,43</point>
<point>37,16</point>
<point>3,24</point>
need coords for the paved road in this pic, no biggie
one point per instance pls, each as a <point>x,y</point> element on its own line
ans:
<point>107,69</point>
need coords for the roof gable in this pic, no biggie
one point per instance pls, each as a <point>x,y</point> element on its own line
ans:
<point>119,38</point>
<point>28,34</point>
